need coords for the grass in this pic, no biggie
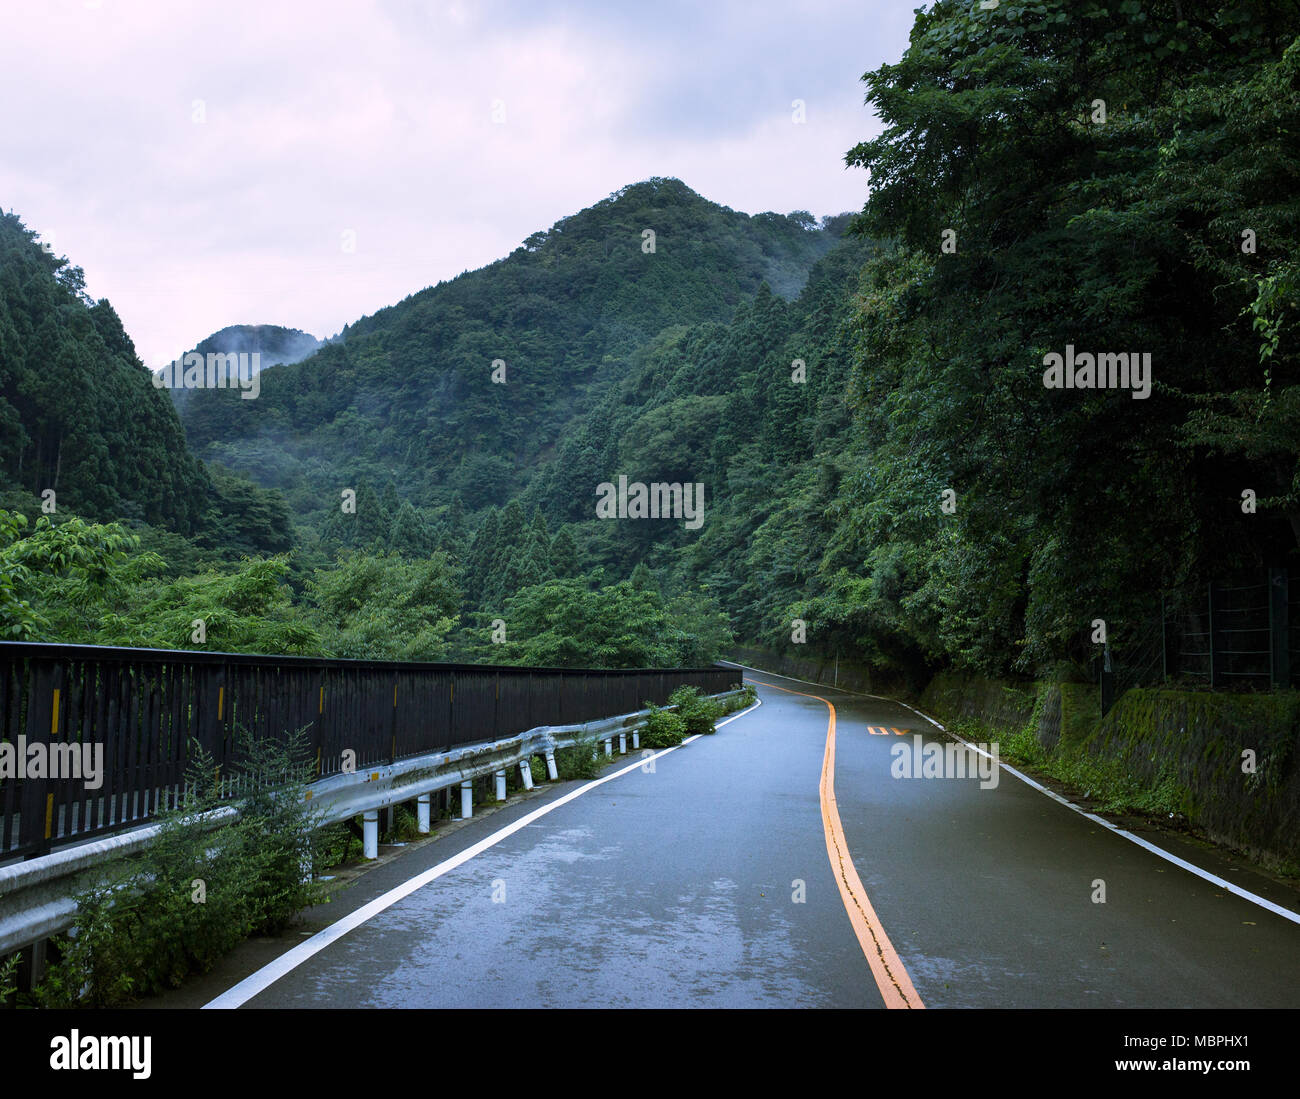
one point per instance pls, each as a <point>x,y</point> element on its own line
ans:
<point>1104,781</point>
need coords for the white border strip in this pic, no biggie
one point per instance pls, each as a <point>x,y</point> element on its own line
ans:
<point>263,978</point>
<point>1214,879</point>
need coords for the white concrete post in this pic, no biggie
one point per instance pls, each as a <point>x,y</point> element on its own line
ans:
<point>466,800</point>
<point>551,772</point>
<point>422,813</point>
<point>609,746</point>
<point>636,738</point>
<point>622,744</point>
<point>370,833</point>
<point>526,773</point>
<point>501,785</point>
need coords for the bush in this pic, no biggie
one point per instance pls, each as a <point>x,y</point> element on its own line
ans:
<point>405,826</point>
<point>8,977</point>
<point>663,728</point>
<point>336,845</point>
<point>580,761</point>
<point>198,889</point>
<point>698,712</point>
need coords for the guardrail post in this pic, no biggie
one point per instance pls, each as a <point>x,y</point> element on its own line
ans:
<point>36,964</point>
<point>636,739</point>
<point>622,743</point>
<point>370,833</point>
<point>609,746</point>
<point>422,814</point>
<point>526,773</point>
<point>551,772</point>
<point>466,800</point>
<point>501,785</point>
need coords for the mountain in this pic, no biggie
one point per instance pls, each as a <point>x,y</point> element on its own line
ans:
<point>271,344</point>
<point>78,412</point>
<point>465,387</point>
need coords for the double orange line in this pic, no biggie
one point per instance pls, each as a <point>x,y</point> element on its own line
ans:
<point>886,966</point>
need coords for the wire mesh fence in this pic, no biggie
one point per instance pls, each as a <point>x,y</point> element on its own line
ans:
<point>1235,637</point>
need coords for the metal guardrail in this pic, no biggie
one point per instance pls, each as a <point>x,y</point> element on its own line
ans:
<point>141,709</point>
<point>38,896</point>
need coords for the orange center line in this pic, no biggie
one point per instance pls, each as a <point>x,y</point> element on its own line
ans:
<point>886,966</point>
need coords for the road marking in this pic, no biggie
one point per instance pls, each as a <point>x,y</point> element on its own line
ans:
<point>263,978</point>
<point>1191,868</point>
<point>886,966</point>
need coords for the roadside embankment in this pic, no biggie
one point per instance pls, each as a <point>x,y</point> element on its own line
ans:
<point>1223,764</point>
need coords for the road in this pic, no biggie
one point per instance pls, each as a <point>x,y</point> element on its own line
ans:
<point>704,878</point>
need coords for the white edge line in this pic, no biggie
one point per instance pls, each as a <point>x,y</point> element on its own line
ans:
<point>263,978</point>
<point>1214,879</point>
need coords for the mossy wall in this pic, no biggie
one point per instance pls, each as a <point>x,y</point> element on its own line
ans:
<point>1163,752</point>
<point>1200,740</point>
<point>987,701</point>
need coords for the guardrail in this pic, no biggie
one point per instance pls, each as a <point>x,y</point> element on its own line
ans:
<point>38,896</point>
<point>94,740</point>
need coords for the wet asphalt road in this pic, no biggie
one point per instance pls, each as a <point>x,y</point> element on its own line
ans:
<point>706,883</point>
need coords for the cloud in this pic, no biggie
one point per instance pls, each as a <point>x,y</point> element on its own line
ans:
<point>203,162</point>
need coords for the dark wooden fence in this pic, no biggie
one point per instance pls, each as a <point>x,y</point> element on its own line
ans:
<point>146,706</point>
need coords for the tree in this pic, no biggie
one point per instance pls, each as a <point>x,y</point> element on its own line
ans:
<point>379,606</point>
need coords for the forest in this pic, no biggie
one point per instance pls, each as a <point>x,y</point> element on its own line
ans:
<point>862,395</point>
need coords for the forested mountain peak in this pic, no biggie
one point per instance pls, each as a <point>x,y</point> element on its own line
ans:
<point>466,386</point>
<point>270,341</point>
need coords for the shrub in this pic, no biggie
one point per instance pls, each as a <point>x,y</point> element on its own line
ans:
<point>335,845</point>
<point>405,826</point>
<point>663,728</point>
<point>8,977</point>
<point>747,697</point>
<point>580,761</point>
<point>199,888</point>
<point>698,712</point>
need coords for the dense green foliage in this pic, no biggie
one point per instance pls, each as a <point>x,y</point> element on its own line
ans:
<point>271,343</point>
<point>81,418</point>
<point>1122,235</point>
<point>78,412</point>
<point>664,728</point>
<point>408,394</point>
<point>198,889</point>
<point>94,584</point>
<point>697,711</point>
<point>386,608</point>
<point>864,411</point>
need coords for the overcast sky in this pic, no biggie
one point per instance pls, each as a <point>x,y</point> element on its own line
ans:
<point>204,161</point>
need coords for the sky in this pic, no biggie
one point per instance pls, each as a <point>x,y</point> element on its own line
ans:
<point>305,164</point>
